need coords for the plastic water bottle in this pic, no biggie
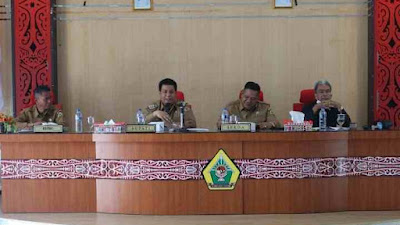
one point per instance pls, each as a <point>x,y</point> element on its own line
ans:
<point>140,117</point>
<point>225,116</point>
<point>322,119</point>
<point>78,121</point>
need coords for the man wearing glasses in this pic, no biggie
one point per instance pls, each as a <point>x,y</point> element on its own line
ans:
<point>248,108</point>
<point>323,96</point>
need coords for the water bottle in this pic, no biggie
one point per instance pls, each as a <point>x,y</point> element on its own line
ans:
<point>225,116</point>
<point>322,119</point>
<point>78,121</point>
<point>140,117</point>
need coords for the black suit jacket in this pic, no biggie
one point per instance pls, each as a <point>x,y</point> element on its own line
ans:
<point>331,116</point>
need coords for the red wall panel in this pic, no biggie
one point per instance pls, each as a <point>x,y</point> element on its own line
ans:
<point>32,49</point>
<point>387,61</point>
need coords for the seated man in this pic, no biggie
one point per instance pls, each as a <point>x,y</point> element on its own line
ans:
<point>249,109</point>
<point>167,108</point>
<point>42,111</point>
<point>323,96</point>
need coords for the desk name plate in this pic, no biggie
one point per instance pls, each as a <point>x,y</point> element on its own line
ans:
<point>139,128</point>
<point>48,129</point>
<point>235,127</point>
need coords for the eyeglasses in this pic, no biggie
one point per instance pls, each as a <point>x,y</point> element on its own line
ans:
<point>327,91</point>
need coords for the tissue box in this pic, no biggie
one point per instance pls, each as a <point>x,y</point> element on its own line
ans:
<point>292,126</point>
<point>100,128</point>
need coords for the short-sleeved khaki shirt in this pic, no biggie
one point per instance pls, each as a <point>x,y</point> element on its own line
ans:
<point>261,113</point>
<point>189,119</point>
<point>32,115</point>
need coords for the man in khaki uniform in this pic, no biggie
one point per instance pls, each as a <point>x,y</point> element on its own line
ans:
<point>249,109</point>
<point>42,111</point>
<point>167,109</point>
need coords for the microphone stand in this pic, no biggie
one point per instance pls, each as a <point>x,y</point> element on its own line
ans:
<point>182,116</point>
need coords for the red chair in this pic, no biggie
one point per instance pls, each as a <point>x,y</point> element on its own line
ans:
<point>307,96</point>
<point>180,96</point>
<point>58,106</point>
<point>260,97</point>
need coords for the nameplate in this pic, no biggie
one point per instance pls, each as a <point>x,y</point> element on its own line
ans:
<point>138,128</point>
<point>230,127</point>
<point>48,129</point>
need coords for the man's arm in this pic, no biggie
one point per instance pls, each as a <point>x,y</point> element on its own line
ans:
<point>59,118</point>
<point>22,120</point>
<point>308,112</point>
<point>150,117</point>
<point>149,113</point>
<point>190,120</point>
<point>339,107</point>
<point>271,121</point>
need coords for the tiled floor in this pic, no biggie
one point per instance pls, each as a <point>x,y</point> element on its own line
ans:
<point>386,218</point>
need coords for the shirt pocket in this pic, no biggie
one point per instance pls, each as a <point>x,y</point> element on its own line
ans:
<point>260,116</point>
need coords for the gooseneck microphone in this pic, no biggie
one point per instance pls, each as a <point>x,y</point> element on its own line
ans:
<point>182,110</point>
<point>167,107</point>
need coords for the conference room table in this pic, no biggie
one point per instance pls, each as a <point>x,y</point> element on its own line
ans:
<point>161,174</point>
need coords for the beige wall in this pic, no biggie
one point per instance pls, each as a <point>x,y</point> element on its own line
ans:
<point>5,61</point>
<point>111,59</point>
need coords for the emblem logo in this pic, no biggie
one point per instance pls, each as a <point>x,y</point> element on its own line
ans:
<point>221,173</point>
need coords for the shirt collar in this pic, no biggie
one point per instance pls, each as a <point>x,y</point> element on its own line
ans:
<point>241,107</point>
<point>172,108</point>
<point>36,113</point>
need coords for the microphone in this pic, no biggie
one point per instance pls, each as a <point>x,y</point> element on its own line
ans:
<point>167,107</point>
<point>182,110</point>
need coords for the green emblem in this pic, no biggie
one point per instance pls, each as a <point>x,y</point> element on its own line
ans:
<point>221,173</point>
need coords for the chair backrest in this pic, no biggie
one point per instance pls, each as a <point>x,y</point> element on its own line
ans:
<point>58,106</point>
<point>307,96</point>
<point>180,96</point>
<point>260,96</point>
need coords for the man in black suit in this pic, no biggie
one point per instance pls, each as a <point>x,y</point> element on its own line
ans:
<point>323,96</point>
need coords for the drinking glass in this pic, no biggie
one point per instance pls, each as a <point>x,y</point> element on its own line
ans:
<point>90,121</point>
<point>233,119</point>
<point>340,120</point>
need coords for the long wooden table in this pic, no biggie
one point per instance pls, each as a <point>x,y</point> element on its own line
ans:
<point>339,192</point>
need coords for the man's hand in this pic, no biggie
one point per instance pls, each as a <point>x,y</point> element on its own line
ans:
<point>266,125</point>
<point>332,104</point>
<point>327,105</point>
<point>35,124</point>
<point>163,116</point>
<point>317,107</point>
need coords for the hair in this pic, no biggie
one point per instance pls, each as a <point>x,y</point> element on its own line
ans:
<point>167,81</point>
<point>40,89</point>
<point>322,82</point>
<point>252,86</point>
